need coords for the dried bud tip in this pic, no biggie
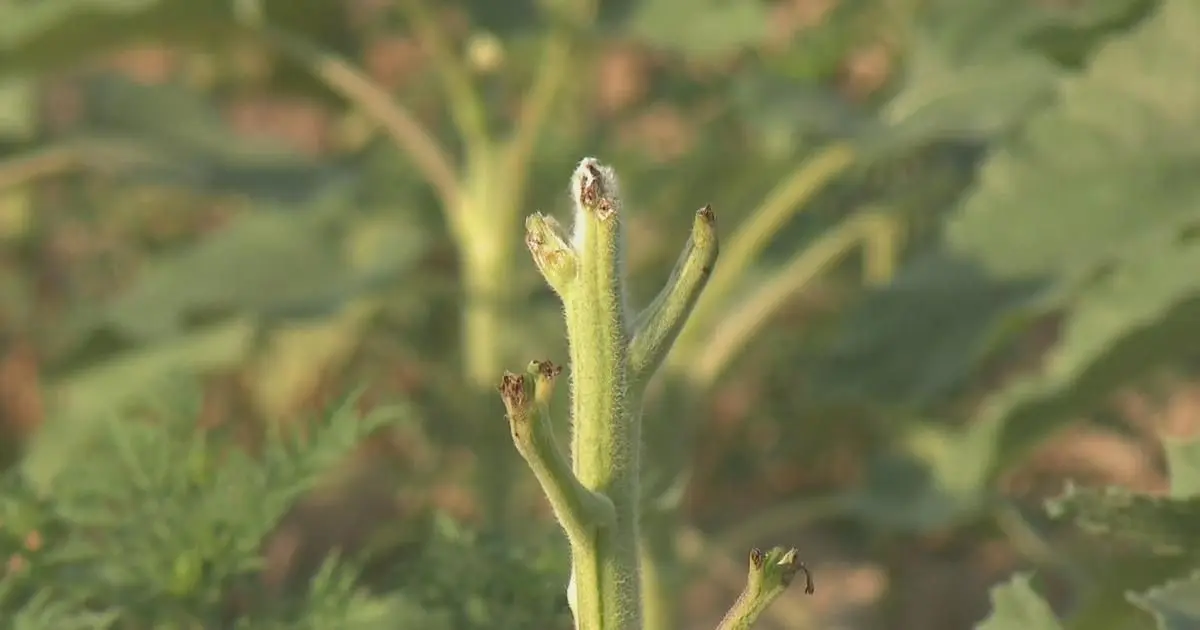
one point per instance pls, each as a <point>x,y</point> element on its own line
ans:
<point>513,392</point>
<point>591,184</point>
<point>757,558</point>
<point>594,187</point>
<point>707,214</point>
<point>544,369</point>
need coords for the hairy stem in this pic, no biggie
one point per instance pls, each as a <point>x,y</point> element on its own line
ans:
<point>607,425</point>
<point>597,500</point>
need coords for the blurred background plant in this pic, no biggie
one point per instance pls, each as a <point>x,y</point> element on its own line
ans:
<point>956,241</point>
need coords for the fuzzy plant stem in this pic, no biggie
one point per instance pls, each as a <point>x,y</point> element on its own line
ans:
<point>614,352</point>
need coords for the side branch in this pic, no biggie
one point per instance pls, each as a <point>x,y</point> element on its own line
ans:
<point>412,137</point>
<point>466,105</point>
<point>770,574</point>
<point>580,511</point>
<point>657,327</point>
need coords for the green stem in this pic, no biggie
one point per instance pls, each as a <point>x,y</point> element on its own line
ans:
<point>580,511</point>
<point>770,574</point>
<point>659,324</point>
<point>605,445</point>
<point>612,357</point>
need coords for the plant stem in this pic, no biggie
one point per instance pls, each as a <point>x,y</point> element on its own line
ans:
<point>612,357</point>
<point>770,574</point>
<point>607,422</point>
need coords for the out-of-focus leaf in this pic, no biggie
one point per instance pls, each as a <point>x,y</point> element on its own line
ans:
<point>261,261</point>
<point>79,400</point>
<point>700,28</point>
<point>932,479</point>
<point>967,73</point>
<point>28,20</point>
<point>1159,535</point>
<point>1166,525</point>
<point>174,116</point>
<point>1159,525</point>
<point>1183,464</point>
<point>1088,217</point>
<point>18,108</point>
<point>297,355</point>
<point>1175,605</point>
<point>783,110</point>
<point>270,263</point>
<point>1016,606</point>
<point>948,97</point>
<point>50,32</point>
<point>942,313</point>
<point>197,149</point>
<point>1099,184</point>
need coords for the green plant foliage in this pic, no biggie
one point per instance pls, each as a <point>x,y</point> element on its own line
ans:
<point>1016,606</point>
<point>967,73</point>
<point>1164,525</point>
<point>40,34</point>
<point>162,523</point>
<point>1158,536</point>
<point>1086,216</point>
<point>712,28</point>
<point>1175,605</point>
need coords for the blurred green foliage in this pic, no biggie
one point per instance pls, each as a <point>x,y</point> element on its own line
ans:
<point>951,233</point>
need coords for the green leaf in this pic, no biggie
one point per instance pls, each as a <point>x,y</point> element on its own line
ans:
<point>1114,158</point>
<point>967,73</point>
<point>700,29</point>
<point>262,260</point>
<point>79,402</point>
<point>1090,213</point>
<point>36,35</point>
<point>1016,606</point>
<point>1183,464</point>
<point>1161,526</point>
<point>267,263</point>
<point>1175,605</point>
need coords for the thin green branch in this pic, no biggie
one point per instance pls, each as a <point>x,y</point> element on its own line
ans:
<point>731,335</point>
<point>659,324</point>
<point>770,574</point>
<point>580,511</point>
<point>753,235</point>
<point>427,154</point>
<point>557,59</point>
<point>713,560</point>
<point>466,106</point>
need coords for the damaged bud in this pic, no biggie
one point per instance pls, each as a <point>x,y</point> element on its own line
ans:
<point>515,394</point>
<point>784,564</point>
<point>595,188</point>
<point>544,374</point>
